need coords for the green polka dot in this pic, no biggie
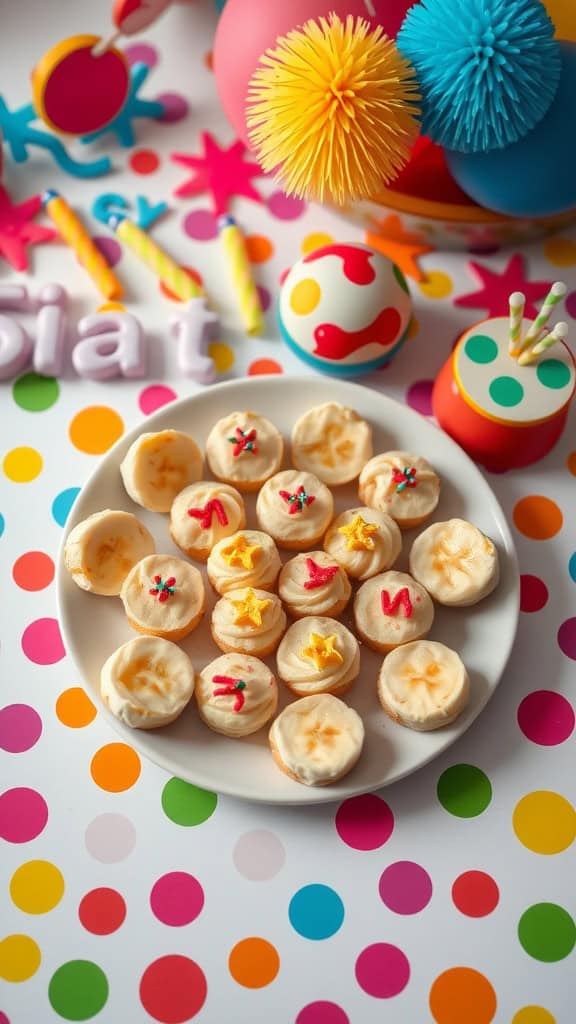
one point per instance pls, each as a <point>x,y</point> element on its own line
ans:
<point>186,804</point>
<point>481,349</point>
<point>547,932</point>
<point>35,393</point>
<point>400,278</point>
<point>78,990</point>
<point>553,373</point>
<point>464,790</point>
<point>506,391</point>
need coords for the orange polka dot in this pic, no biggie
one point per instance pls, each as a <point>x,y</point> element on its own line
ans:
<point>259,248</point>
<point>537,517</point>
<point>561,252</point>
<point>144,161</point>
<point>109,307</point>
<point>193,274</point>
<point>254,963</point>
<point>462,995</point>
<point>571,463</point>
<point>74,708</point>
<point>94,430</point>
<point>261,366</point>
<point>33,571</point>
<point>115,767</point>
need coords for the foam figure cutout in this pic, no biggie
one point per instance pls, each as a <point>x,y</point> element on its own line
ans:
<point>15,347</point>
<point>111,345</point>
<point>51,325</point>
<point>18,135</point>
<point>193,327</point>
<point>112,202</point>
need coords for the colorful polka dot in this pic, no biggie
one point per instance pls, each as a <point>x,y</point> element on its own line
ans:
<point>35,393</point>
<point>305,296</point>
<point>175,107</point>
<point>552,373</point>
<point>102,911</point>
<point>567,638</point>
<point>405,887</point>
<point>544,822</point>
<point>315,241</point>
<point>42,642</point>
<point>95,429</point>
<point>475,894</point>
<point>20,958</point>
<point>115,767</point>
<point>176,898</point>
<point>533,593</point>
<point>316,912</point>
<point>546,717</point>
<point>464,790</point>
<point>259,855</point>
<point>506,391</point>
<point>547,932</point>
<point>186,804</point>
<point>285,207</point>
<point>110,838</point>
<point>63,503</point>
<point>141,53</point>
<point>173,989</point>
<point>572,567</point>
<point>260,367</point>
<point>570,304</point>
<point>74,708</point>
<point>259,248</point>
<point>2,524</point>
<point>21,465</point>
<point>533,1015</point>
<point>436,285</point>
<point>222,355</point>
<point>382,970</point>
<point>265,297</point>
<point>33,571</point>
<point>200,225</point>
<point>561,252</point>
<point>37,887</point>
<point>537,517</point>
<point>144,161</point>
<point>111,250</point>
<point>322,1012</point>
<point>364,822</point>
<point>20,728</point>
<point>481,349</point>
<point>111,307</point>
<point>254,963</point>
<point>154,397</point>
<point>78,990</point>
<point>419,396</point>
<point>23,815</point>
<point>462,994</point>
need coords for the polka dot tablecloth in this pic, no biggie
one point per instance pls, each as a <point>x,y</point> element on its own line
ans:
<point>128,895</point>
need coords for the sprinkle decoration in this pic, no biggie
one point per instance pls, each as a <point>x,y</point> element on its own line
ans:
<point>404,478</point>
<point>212,508</point>
<point>297,502</point>
<point>243,441</point>
<point>227,686</point>
<point>163,590</point>
<point>322,650</point>
<point>401,598</point>
<point>358,534</point>
<point>317,576</point>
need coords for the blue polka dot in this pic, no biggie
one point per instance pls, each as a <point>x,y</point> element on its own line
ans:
<point>316,912</point>
<point>2,524</point>
<point>572,567</point>
<point>63,503</point>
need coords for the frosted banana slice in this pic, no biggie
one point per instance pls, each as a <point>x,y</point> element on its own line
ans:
<point>317,740</point>
<point>455,562</point>
<point>101,550</point>
<point>147,682</point>
<point>158,466</point>
<point>423,685</point>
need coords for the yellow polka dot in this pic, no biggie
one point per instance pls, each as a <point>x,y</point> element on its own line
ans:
<point>22,465</point>
<point>544,822</point>
<point>436,285</point>
<point>561,252</point>
<point>222,355</point>
<point>315,241</point>
<point>533,1015</point>
<point>37,887</point>
<point>305,296</point>
<point>413,328</point>
<point>94,430</point>
<point>109,307</point>
<point>19,958</point>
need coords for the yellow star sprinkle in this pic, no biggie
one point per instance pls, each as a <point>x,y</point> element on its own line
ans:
<point>322,650</point>
<point>249,611</point>
<point>357,534</point>
<point>240,553</point>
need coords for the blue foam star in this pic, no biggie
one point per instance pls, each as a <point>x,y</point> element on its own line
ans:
<point>18,136</point>
<point>134,107</point>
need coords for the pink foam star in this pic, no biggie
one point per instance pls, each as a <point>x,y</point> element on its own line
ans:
<point>222,172</point>
<point>17,230</point>
<point>496,289</point>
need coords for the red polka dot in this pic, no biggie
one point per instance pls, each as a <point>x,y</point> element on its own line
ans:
<point>42,643</point>
<point>475,894</point>
<point>173,989</point>
<point>102,911</point>
<point>546,717</point>
<point>533,593</point>
<point>33,571</point>
<point>382,970</point>
<point>364,822</point>
<point>170,295</point>
<point>322,1012</point>
<point>176,898</point>
<point>144,161</point>
<point>154,397</point>
<point>263,366</point>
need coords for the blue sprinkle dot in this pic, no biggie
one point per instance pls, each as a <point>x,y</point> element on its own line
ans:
<point>2,524</point>
<point>63,503</point>
<point>316,912</point>
<point>572,567</point>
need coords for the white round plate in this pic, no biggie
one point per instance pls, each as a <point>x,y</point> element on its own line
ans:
<point>93,627</point>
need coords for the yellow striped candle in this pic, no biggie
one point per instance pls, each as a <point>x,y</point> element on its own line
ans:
<point>166,269</point>
<point>242,279</point>
<point>75,235</point>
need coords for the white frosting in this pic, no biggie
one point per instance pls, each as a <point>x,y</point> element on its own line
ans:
<point>262,573</point>
<point>318,739</point>
<point>312,600</point>
<point>249,468</point>
<point>406,612</point>
<point>423,685</point>
<point>300,671</point>
<point>236,629</point>
<point>174,616</point>
<point>260,695</point>
<point>331,441</point>
<point>377,487</point>
<point>157,466</point>
<point>189,532</point>
<point>276,514</point>
<point>455,561</point>
<point>386,543</point>
<point>147,682</point>
<point>101,550</point>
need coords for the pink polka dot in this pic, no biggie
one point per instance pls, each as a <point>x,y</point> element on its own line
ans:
<point>405,887</point>
<point>284,275</point>
<point>419,396</point>
<point>141,53</point>
<point>110,249</point>
<point>382,970</point>
<point>570,304</point>
<point>3,1018</point>
<point>322,1012</point>
<point>176,898</point>
<point>265,297</point>
<point>42,643</point>
<point>364,822</point>
<point>175,107</point>
<point>200,225</point>
<point>546,717</point>
<point>23,815</point>
<point>154,397</point>
<point>567,638</point>
<point>20,728</point>
<point>533,593</point>
<point>285,207</point>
